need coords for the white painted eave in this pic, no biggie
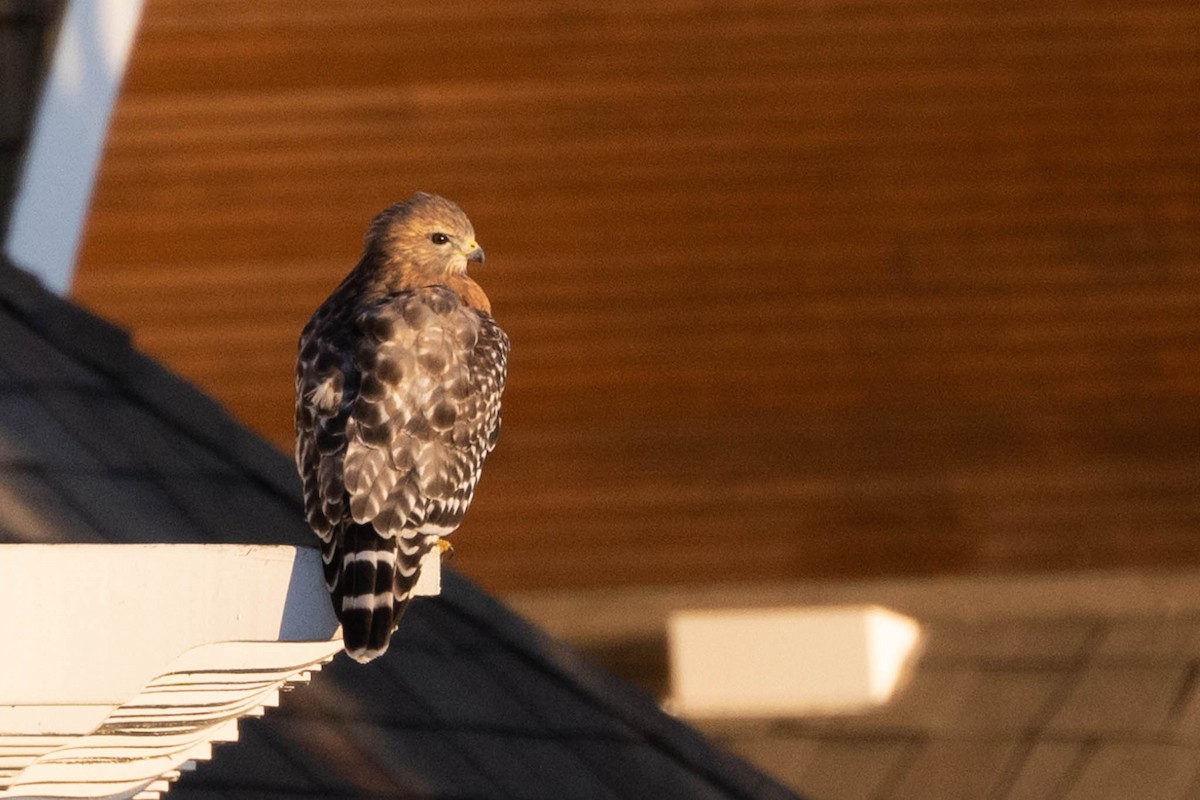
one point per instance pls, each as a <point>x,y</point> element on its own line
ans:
<point>104,643</point>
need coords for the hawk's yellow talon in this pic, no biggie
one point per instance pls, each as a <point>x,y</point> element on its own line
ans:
<point>446,549</point>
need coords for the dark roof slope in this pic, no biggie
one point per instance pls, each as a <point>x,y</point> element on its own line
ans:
<point>112,447</point>
<point>99,443</point>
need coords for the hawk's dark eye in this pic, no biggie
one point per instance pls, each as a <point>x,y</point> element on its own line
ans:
<point>439,238</point>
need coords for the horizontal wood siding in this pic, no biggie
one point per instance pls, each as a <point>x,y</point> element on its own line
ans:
<point>794,289</point>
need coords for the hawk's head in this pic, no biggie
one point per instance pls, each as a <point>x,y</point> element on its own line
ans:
<point>426,234</point>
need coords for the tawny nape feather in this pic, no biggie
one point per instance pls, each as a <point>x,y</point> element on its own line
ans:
<point>402,256</point>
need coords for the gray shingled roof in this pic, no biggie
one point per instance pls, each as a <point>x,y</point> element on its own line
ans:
<point>1057,686</point>
<point>100,444</point>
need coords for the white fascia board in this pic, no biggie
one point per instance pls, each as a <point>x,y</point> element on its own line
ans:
<point>93,623</point>
<point>124,663</point>
<point>67,142</point>
<point>99,621</point>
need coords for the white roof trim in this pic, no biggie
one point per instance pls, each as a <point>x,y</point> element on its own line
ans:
<point>70,126</point>
<point>103,644</point>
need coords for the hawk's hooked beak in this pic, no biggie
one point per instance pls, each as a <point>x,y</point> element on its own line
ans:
<point>475,253</point>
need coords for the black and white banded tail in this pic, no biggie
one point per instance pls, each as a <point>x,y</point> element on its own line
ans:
<point>371,580</point>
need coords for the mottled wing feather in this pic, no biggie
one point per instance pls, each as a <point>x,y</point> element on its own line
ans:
<point>424,420</point>
<point>325,387</point>
<point>398,405</point>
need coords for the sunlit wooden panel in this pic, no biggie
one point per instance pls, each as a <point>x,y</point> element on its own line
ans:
<point>875,287</point>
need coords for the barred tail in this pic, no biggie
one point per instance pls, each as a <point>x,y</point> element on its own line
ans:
<point>373,586</point>
<point>363,597</point>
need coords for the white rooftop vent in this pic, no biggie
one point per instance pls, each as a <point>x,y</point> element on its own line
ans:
<point>779,662</point>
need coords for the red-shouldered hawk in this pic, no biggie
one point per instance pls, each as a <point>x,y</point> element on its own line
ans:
<point>398,389</point>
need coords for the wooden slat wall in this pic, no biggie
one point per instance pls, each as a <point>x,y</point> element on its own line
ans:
<point>795,289</point>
